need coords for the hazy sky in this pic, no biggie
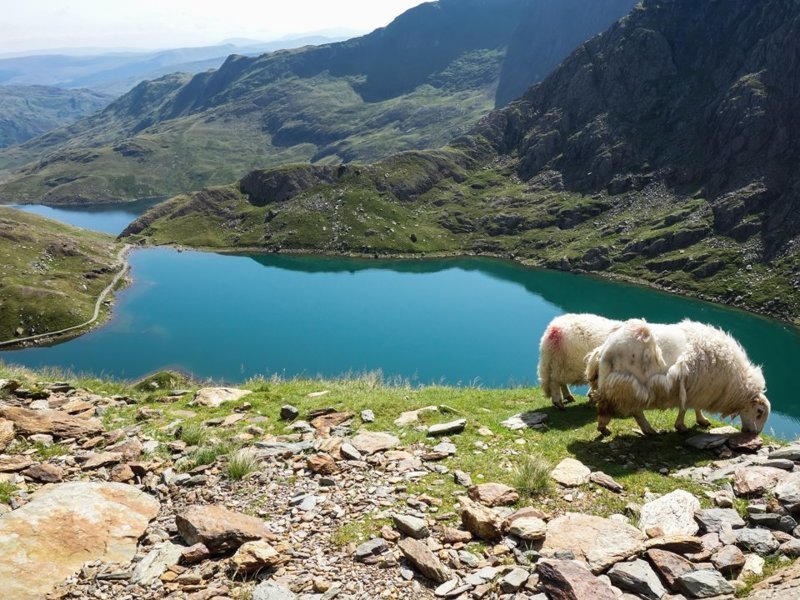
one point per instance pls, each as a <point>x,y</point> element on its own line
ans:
<point>41,24</point>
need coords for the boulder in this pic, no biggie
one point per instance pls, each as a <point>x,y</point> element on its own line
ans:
<point>728,560</point>
<point>65,525</point>
<point>673,513</point>
<point>322,464</point>
<point>600,542</point>
<point>713,520</point>
<point>570,580</point>
<point>570,473</point>
<point>493,494</point>
<point>214,397</point>
<point>788,492</point>
<point>220,529</point>
<point>669,565</point>
<point>704,584</point>
<point>370,442</point>
<point>45,472</point>
<point>637,577</point>
<point>423,560</point>
<point>790,452</point>
<point>53,422</point>
<point>760,541</point>
<point>254,556</point>
<point>10,463</point>
<point>482,522</point>
<point>748,481</point>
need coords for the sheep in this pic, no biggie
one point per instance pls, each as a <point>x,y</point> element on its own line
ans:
<point>563,349</point>
<point>688,365</point>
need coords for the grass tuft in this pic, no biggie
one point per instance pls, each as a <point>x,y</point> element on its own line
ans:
<point>532,476</point>
<point>193,434</point>
<point>240,464</point>
<point>7,490</point>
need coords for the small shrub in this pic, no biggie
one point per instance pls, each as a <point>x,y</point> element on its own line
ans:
<point>194,434</point>
<point>532,476</point>
<point>241,463</point>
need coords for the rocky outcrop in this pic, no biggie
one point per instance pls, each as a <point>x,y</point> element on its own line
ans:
<point>65,525</point>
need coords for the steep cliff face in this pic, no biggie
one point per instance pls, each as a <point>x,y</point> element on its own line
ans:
<point>700,95</point>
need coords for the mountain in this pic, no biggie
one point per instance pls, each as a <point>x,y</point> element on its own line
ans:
<point>665,151</point>
<point>421,81</point>
<point>30,111</point>
<point>116,72</point>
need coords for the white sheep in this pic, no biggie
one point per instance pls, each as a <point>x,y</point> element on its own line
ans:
<point>688,365</point>
<point>563,349</point>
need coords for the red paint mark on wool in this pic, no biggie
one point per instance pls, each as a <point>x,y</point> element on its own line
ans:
<point>554,336</point>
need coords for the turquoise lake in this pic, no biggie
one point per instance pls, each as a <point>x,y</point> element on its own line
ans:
<point>456,321</point>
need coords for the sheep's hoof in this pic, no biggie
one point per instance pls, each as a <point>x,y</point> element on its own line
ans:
<point>604,431</point>
<point>681,428</point>
<point>704,424</point>
<point>569,399</point>
<point>559,405</point>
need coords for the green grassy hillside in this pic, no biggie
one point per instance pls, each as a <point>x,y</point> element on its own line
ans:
<point>50,273</point>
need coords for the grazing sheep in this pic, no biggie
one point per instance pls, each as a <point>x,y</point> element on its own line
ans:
<point>686,366</point>
<point>563,349</point>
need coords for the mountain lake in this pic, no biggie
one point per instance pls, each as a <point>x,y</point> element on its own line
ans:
<point>460,321</point>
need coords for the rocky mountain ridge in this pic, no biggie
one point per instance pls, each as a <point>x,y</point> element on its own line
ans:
<point>423,80</point>
<point>662,151</point>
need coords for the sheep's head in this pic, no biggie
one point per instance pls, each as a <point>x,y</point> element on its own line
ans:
<point>755,413</point>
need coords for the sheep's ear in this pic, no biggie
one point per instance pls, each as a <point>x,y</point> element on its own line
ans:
<point>643,333</point>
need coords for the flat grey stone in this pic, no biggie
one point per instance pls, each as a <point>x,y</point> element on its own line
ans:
<point>791,452</point>
<point>371,549</point>
<point>772,521</point>
<point>525,420</point>
<point>411,526</point>
<point>514,580</point>
<point>456,426</point>
<point>638,577</point>
<point>704,584</point>
<point>712,520</point>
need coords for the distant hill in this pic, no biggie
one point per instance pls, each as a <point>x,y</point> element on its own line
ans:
<point>117,72</point>
<point>30,111</point>
<point>666,150</point>
<point>421,81</point>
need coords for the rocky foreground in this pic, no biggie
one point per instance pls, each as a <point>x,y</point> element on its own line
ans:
<point>335,508</point>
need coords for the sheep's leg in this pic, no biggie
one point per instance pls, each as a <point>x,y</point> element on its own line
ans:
<point>555,396</point>
<point>701,420</point>
<point>679,424</point>
<point>568,397</point>
<point>644,425</point>
<point>604,414</point>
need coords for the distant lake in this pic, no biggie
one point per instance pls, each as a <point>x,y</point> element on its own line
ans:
<point>108,218</point>
<point>456,321</point>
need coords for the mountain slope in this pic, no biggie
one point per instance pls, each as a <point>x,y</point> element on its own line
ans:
<point>426,78</point>
<point>30,111</point>
<point>50,273</point>
<point>665,150</point>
